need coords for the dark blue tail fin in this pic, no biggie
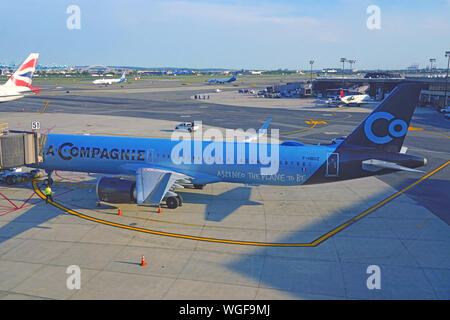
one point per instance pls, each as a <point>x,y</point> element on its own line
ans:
<point>386,127</point>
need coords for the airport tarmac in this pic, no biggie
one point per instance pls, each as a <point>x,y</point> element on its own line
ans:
<point>227,241</point>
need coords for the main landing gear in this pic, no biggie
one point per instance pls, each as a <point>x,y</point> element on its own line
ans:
<point>174,202</point>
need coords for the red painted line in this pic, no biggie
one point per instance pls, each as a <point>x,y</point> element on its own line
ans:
<point>49,129</point>
<point>57,174</point>
<point>23,204</point>
<point>1,194</point>
<point>7,212</point>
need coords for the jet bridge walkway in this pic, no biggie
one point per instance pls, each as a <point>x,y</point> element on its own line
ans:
<point>20,148</point>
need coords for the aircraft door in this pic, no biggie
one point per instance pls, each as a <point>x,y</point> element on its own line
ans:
<point>333,165</point>
<point>150,156</point>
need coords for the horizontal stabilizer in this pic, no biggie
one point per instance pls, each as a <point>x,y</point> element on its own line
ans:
<point>376,165</point>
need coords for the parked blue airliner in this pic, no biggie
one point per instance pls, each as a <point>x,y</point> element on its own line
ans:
<point>222,81</point>
<point>150,170</point>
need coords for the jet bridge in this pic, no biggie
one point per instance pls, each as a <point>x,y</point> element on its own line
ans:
<point>20,148</point>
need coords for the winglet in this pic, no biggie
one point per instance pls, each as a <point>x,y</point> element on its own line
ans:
<point>261,131</point>
<point>265,126</point>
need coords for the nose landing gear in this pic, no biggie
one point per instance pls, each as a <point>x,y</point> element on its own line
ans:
<point>49,180</point>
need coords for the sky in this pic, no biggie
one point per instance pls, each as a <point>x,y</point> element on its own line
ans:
<point>261,35</point>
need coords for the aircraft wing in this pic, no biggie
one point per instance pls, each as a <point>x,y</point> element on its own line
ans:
<point>152,184</point>
<point>34,90</point>
<point>12,95</point>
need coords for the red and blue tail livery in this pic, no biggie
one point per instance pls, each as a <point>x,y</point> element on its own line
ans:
<point>19,84</point>
<point>23,76</point>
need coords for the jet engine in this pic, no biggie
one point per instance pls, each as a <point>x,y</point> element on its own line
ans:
<point>116,190</point>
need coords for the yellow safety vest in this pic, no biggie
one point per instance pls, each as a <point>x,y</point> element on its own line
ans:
<point>48,191</point>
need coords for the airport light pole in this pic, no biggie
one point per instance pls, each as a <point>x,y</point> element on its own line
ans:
<point>343,63</point>
<point>447,55</point>
<point>351,64</point>
<point>431,65</point>
<point>311,62</point>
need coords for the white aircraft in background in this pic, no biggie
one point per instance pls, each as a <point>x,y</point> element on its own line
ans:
<point>350,100</point>
<point>110,81</point>
<point>19,84</point>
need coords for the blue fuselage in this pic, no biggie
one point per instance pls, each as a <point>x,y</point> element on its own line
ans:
<point>206,162</point>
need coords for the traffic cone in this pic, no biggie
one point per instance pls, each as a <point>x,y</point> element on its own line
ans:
<point>99,204</point>
<point>143,263</point>
<point>159,209</point>
<point>119,212</point>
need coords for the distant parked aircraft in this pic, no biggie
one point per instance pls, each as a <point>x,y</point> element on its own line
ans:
<point>350,100</point>
<point>110,81</point>
<point>222,81</point>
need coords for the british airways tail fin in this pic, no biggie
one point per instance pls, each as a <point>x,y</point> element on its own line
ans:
<point>386,127</point>
<point>23,75</point>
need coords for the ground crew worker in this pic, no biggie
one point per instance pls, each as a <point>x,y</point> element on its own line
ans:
<point>48,194</point>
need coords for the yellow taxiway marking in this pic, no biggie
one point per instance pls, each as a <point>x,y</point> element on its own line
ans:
<point>423,222</point>
<point>423,130</point>
<point>348,223</point>
<point>313,123</point>
<point>438,134</point>
<point>78,184</point>
<point>45,107</point>
<point>251,243</point>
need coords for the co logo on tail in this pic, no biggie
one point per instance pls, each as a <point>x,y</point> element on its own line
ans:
<point>397,128</point>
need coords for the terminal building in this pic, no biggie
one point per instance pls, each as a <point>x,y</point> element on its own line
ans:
<point>291,89</point>
<point>432,94</point>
